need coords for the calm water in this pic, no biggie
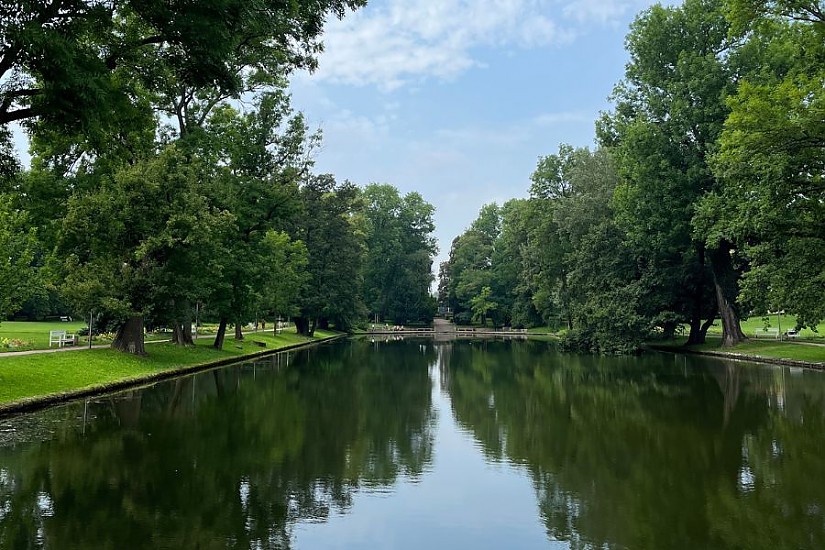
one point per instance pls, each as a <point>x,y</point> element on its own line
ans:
<point>417,444</point>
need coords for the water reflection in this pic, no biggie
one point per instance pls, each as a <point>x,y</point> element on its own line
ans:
<point>661,452</point>
<point>653,452</point>
<point>233,457</point>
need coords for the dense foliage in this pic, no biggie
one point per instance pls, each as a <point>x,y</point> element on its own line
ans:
<point>155,192</point>
<point>170,175</point>
<point>704,201</point>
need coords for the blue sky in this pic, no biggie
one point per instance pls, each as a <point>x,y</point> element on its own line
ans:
<point>457,99</point>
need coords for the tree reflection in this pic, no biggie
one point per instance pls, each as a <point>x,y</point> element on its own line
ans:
<point>233,457</point>
<point>651,452</point>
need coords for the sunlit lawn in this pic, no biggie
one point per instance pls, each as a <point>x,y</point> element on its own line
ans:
<point>27,335</point>
<point>751,325</point>
<point>49,373</point>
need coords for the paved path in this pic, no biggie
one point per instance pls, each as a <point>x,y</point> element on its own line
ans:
<point>66,348</point>
<point>443,325</point>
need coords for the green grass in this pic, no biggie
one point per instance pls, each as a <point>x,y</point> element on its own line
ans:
<point>785,322</point>
<point>28,335</point>
<point>49,373</point>
<point>542,330</point>
<point>760,348</point>
<point>35,334</point>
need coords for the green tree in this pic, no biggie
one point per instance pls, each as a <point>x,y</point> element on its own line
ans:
<point>144,244</point>
<point>770,160</point>
<point>18,243</point>
<point>65,61</point>
<point>482,305</point>
<point>332,230</point>
<point>284,263</point>
<point>669,114</point>
<point>256,159</point>
<point>511,257</point>
<point>471,261</point>
<point>400,249</point>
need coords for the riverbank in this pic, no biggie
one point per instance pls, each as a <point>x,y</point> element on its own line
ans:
<point>773,352</point>
<point>34,381</point>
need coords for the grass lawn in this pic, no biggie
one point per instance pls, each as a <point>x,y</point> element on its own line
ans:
<point>783,322</point>
<point>48,373</point>
<point>543,330</point>
<point>761,348</point>
<point>27,335</point>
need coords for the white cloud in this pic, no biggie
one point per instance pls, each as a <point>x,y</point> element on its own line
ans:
<point>400,42</point>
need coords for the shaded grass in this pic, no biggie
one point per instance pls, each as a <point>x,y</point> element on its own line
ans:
<point>761,348</point>
<point>50,373</point>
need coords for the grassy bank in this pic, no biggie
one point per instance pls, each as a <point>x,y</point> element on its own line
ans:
<point>36,375</point>
<point>771,349</point>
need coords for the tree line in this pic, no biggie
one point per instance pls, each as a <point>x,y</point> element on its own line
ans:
<point>703,201</point>
<point>170,175</point>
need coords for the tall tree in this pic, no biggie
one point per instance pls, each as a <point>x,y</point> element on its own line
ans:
<point>145,243</point>
<point>770,159</point>
<point>400,248</point>
<point>332,230</point>
<point>511,285</point>
<point>257,159</point>
<point>471,261</point>
<point>669,114</point>
<point>18,243</point>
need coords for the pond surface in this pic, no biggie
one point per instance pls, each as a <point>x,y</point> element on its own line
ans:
<point>424,444</point>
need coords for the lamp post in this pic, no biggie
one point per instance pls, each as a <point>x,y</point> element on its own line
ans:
<point>779,322</point>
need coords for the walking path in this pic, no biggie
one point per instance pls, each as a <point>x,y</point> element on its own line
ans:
<point>443,325</point>
<point>66,348</point>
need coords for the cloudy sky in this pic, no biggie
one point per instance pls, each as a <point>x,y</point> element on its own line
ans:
<point>457,99</point>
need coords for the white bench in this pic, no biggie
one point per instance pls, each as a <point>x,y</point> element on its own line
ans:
<point>60,338</point>
<point>767,332</point>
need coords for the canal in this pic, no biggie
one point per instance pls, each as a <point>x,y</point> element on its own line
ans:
<point>419,443</point>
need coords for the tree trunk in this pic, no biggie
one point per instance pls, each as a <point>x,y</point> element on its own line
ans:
<point>302,326</point>
<point>703,331</point>
<point>323,324</point>
<point>725,281</point>
<point>238,330</point>
<point>219,337</point>
<point>129,337</point>
<point>697,335</point>
<point>312,326</point>
<point>182,334</point>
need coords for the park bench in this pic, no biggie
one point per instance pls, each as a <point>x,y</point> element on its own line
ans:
<point>767,332</point>
<point>60,338</point>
